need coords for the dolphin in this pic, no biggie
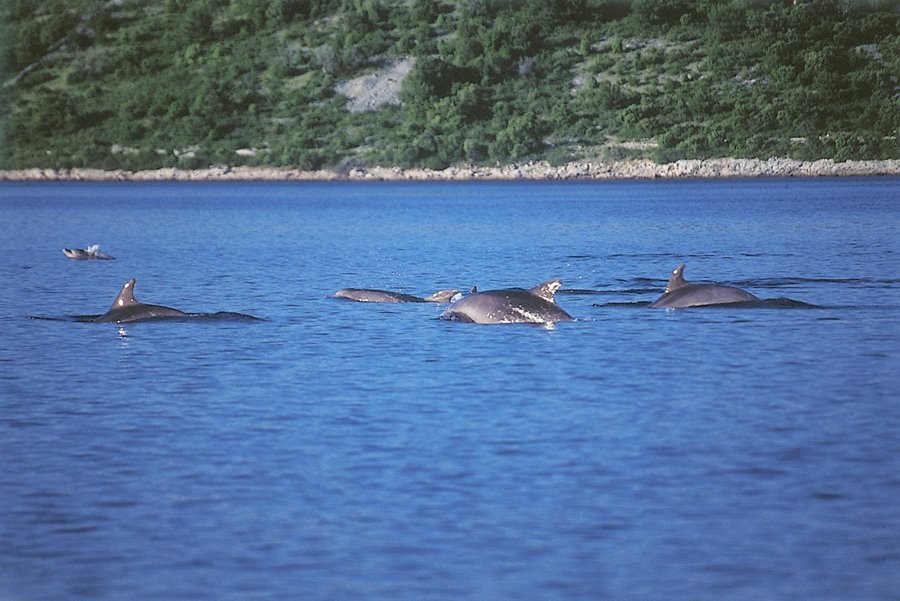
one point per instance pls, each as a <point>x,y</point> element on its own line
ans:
<point>91,252</point>
<point>363,295</point>
<point>680,293</point>
<point>126,308</point>
<point>511,305</point>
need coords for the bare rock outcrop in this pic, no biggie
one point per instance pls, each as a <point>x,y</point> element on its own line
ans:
<point>535,170</point>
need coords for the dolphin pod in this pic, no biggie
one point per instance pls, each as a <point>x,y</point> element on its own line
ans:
<point>511,305</point>
<point>536,305</point>
<point>680,294</point>
<point>364,295</point>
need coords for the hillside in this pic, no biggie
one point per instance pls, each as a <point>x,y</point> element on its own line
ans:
<point>123,84</point>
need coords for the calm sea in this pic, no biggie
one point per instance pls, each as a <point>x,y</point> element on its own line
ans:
<point>341,450</point>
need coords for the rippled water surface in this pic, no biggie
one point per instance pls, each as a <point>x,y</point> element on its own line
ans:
<point>340,450</point>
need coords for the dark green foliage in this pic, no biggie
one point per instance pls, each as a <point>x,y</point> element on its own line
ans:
<point>661,12</point>
<point>434,78</point>
<point>188,83</point>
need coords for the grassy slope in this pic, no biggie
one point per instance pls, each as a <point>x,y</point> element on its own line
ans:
<point>142,84</point>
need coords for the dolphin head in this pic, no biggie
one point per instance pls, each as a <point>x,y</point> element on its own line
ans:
<point>442,296</point>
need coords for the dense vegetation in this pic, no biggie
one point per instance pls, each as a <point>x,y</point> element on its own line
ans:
<point>148,83</point>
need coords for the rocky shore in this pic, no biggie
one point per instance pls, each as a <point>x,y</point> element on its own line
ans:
<point>588,170</point>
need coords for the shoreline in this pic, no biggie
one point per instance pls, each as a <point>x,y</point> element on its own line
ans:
<point>533,170</point>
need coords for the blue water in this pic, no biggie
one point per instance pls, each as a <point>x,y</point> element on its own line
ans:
<point>341,450</point>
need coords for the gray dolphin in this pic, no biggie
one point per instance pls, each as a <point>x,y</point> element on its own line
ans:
<point>680,293</point>
<point>127,309</point>
<point>364,295</point>
<point>511,305</point>
<point>91,252</point>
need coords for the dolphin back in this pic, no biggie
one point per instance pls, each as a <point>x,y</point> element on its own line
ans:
<point>139,312</point>
<point>680,294</point>
<point>699,295</point>
<point>126,308</point>
<point>511,305</point>
<point>365,295</point>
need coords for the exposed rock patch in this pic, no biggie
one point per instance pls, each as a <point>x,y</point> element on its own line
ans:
<point>371,92</point>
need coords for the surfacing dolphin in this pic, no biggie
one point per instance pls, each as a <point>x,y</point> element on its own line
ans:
<point>511,305</point>
<point>364,295</point>
<point>680,293</point>
<point>91,252</point>
<point>127,309</point>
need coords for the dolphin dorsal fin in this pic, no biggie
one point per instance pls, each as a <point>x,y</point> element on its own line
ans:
<point>547,289</point>
<point>676,280</point>
<point>125,296</point>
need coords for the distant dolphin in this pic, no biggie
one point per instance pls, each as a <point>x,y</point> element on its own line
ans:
<point>680,293</point>
<point>511,305</point>
<point>126,309</point>
<point>363,295</point>
<point>91,252</point>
